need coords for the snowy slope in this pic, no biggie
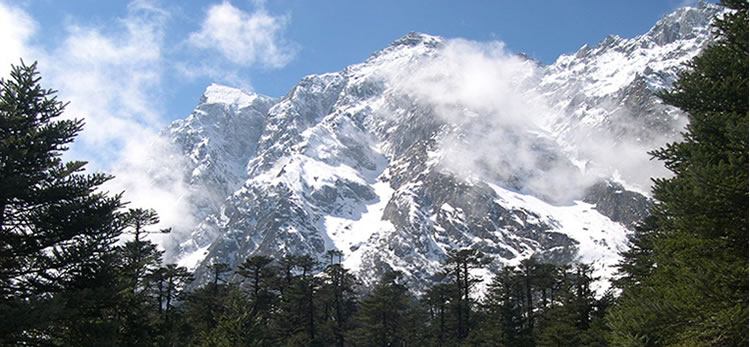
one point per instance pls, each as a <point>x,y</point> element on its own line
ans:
<point>405,156</point>
<point>603,96</point>
<point>217,139</point>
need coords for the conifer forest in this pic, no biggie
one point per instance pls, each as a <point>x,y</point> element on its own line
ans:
<point>77,267</point>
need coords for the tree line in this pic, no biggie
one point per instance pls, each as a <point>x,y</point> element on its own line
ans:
<point>77,267</point>
<point>79,270</point>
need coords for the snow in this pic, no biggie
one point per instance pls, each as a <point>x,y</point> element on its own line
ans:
<point>615,62</point>
<point>332,129</point>
<point>600,240</point>
<point>616,178</point>
<point>218,94</point>
<point>192,259</point>
<point>351,235</point>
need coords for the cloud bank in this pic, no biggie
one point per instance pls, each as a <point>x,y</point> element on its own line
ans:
<point>117,76</point>
<point>500,125</point>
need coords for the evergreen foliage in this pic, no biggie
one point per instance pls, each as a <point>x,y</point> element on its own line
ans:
<point>338,298</point>
<point>504,321</point>
<point>382,317</point>
<point>686,279</point>
<point>65,281</point>
<point>55,227</point>
<point>458,264</point>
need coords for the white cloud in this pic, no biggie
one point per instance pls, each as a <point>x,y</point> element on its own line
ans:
<point>483,77</point>
<point>687,3</point>
<point>16,29</point>
<point>113,77</point>
<point>151,172</point>
<point>487,94</point>
<point>243,38</point>
<point>500,124</point>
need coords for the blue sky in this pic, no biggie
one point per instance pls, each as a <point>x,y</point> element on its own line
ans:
<point>129,68</point>
<point>132,67</point>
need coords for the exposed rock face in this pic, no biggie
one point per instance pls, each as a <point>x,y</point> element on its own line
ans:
<point>620,205</point>
<point>351,161</point>
<point>219,138</point>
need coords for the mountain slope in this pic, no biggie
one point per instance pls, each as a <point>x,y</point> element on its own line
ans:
<point>607,92</point>
<point>434,144</point>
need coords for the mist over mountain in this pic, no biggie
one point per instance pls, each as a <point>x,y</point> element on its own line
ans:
<point>433,144</point>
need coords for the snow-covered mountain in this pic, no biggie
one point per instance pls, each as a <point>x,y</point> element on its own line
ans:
<point>434,144</point>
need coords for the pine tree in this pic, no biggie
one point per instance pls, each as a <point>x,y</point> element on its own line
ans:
<point>204,307</point>
<point>256,269</point>
<point>140,256</point>
<point>575,320</point>
<point>559,327</point>
<point>261,276</point>
<point>458,264</point>
<point>382,317</point>
<point>437,301</point>
<point>140,260</point>
<point>296,318</point>
<point>338,303</point>
<point>166,285</point>
<point>236,325</point>
<point>92,302</point>
<point>505,323</point>
<point>637,262</point>
<point>54,224</point>
<point>686,282</point>
<point>526,277</point>
<point>308,286</point>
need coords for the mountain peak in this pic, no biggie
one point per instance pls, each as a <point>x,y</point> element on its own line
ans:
<point>703,5</point>
<point>355,161</point>
<point>415,38</point>
<point>684,22</point>
<point>219,94</point>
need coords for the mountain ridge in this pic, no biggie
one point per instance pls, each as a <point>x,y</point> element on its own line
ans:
<point>371,162</point>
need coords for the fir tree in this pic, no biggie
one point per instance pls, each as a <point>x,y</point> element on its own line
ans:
<point>382,317</point>
<point>234,324</point>
<point>437,301</point>
<point>204,307</point>
<point>256,269</point>
<point>140,256</point>
<point>458,264</point>
<point>54,224</point>
<point>505,323</point>
<point>167,284</point>
<point>576,319</point>
<point>296,317</point>
<point>338,303</point>
<point>686,282</point>
<point>261,276</point>
<point>140,259</point>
